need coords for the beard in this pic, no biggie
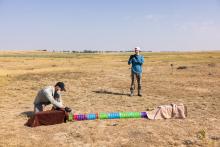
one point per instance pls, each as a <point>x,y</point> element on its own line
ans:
<point>56,95</point>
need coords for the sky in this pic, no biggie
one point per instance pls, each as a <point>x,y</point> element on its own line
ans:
<point>153,25</point>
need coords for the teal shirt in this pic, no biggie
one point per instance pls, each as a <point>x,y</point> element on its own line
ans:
<point>137,62</point>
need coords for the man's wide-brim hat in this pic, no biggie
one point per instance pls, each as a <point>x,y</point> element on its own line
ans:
<point>137,49</point>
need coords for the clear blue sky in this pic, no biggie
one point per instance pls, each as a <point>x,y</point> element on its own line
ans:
<point>156,25</point>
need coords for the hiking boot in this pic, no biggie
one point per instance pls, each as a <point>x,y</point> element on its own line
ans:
<point>139,93</point>
<point>132,93</point>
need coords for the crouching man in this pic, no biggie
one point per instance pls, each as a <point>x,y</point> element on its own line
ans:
<point>49,95</point>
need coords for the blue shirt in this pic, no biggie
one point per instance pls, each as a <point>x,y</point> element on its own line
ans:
<point>136,61</point>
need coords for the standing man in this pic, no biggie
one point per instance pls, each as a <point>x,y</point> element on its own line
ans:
<point>136,70</point>
<point>49,95</point>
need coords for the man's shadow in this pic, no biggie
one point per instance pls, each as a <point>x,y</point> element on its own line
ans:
<point>109,92</point>
<point>28,113</point>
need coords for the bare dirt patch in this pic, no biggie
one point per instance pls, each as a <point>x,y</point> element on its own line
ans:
<point>100,83</point>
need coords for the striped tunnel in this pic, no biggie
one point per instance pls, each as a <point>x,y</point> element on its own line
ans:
<point>112,115</point>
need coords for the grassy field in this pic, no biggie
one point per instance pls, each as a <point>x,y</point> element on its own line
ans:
<point>100,83</point>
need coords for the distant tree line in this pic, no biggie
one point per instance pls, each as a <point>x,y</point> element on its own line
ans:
<point>90,51</point>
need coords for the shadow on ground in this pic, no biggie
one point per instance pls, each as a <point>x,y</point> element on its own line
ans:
<point>28,113</point>
<point>109,92</point>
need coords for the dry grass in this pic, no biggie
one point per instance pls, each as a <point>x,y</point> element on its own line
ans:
<point>100,83</point>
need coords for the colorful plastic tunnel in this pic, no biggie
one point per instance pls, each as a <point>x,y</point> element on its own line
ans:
<point>113,115</point>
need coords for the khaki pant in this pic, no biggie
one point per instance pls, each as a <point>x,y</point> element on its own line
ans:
<point>138,78</point>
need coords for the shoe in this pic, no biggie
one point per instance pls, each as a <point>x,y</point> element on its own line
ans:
<point>139,93</point>
<point>132,92</point>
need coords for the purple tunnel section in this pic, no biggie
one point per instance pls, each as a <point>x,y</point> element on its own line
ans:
<point>144,115</point>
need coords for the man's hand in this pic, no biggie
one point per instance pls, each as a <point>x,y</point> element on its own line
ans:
<point>132,56</point>
<point>56,108</point>
<point>67,109</point>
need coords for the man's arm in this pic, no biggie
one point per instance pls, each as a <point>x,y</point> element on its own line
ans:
<point>58,99</point>
<point>130,59</point>
<point>140,60</point>
<point>51,99</point>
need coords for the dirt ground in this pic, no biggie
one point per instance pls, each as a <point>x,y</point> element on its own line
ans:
<point>100,83</point>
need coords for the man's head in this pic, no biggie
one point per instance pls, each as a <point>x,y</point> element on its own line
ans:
<point>60,86</point>
<point>137,50</point>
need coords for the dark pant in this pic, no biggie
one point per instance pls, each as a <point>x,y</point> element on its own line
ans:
<point>138,77</point>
